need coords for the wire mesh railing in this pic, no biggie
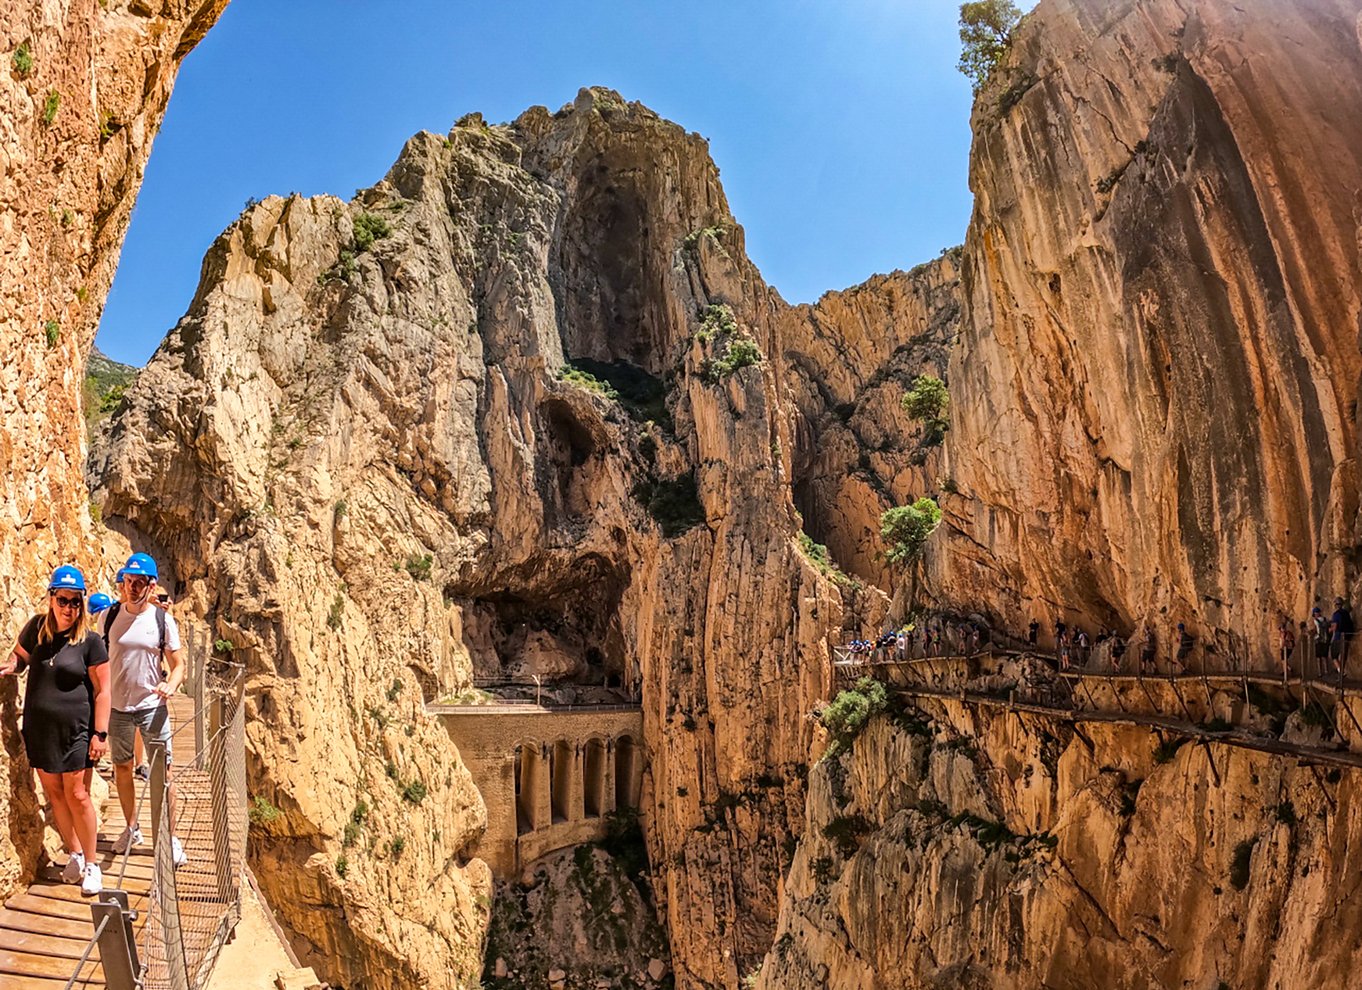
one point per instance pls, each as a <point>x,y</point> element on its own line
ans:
<point>198,818</point>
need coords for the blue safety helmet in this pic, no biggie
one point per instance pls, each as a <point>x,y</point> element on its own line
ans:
<point>139,565</point>
<point>99,602</point>
<point>67,577</point>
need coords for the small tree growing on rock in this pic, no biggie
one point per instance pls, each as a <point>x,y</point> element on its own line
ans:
<point>905,530</point>
<point>927,401</point>
<point>985,34</point>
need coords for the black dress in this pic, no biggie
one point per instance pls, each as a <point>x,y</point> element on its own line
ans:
<point>59,702</point>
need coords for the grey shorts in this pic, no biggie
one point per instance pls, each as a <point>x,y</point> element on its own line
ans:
<point>153,722</point>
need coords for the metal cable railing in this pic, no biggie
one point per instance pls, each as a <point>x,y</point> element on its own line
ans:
<point>190,909</point>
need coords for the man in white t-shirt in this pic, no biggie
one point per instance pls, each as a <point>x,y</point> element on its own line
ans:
<point>139,635</point>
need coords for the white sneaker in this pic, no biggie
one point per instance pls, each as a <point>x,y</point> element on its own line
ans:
<point>93,882</point>
<point>131,836</point>
<point>74,868</point>
<point>177,855</point>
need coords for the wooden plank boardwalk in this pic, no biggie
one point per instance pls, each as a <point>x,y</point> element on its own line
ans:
<point>44,931</point>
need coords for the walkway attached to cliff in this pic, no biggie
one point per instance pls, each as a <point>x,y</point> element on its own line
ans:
<point>1190,705</point>
<point>156,926</point>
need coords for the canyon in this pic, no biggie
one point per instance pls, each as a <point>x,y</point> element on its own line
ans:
<point>525,407</point>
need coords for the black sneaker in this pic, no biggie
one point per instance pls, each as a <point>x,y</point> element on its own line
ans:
<point>142,771</point>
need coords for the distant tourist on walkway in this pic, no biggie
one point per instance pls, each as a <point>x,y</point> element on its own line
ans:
<point>1184,647</point>
<point>1286,645</point>
<point>1032,631</point>
<point>1118,651</point>
<point>66,716</point>
<point>1340,635</point>
<point>901,643</point>
<point>1149,653</point>
<point>140,636</point>
<point>1320,626</point>
<point>1082,647</point>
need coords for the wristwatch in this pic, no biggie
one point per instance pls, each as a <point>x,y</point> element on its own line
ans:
<point>103,736</point>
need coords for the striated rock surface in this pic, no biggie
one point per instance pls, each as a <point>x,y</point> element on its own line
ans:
<point>1155,387</point>
<point>83,86</point>
<point>358,460</point>
<point>848,359</point>
<point>980,849</point>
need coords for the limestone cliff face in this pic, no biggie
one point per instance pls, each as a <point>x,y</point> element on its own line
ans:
<point>360,463</point>
<point>982,849</point>
<point>83,87</point>
<point>1155,386</point>
<point>847,361</point>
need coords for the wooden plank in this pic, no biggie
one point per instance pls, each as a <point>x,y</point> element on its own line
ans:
<point>31,964</point>
<point>51,908</point>
<point>42,924</point>
<point>11,982</point>
<point>46,945</point>
<point>72,893</point>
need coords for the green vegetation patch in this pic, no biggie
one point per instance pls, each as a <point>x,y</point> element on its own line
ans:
<point>23,59</point>
<point>927,401</point>
<point>741,352</point>
<point>905,530</point>
<point>673,502</point>
<point>106,383</point>
<point>818,555</point>
<point>50,107</point>
<point>846,833</point>
<point>846,715</point>
<point>369,227</point>
<point>985,37</point>
<point>643,395</point>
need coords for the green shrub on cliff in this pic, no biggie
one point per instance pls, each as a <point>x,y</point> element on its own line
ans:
<point>847,714</point>
<point>927,401</point>
<point>369,227</point>
<point>905,530</point>
<point>23,59</point>
<point>985,35</point>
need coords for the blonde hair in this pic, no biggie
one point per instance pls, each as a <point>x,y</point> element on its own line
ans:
<point>47,629</point>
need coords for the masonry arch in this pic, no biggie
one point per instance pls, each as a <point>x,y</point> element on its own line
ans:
<point>626,772</point>
<point>562,763</point>
<point>530,782</point>
<point>594,764</point>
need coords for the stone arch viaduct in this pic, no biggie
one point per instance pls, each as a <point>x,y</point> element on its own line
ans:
<point>550,777</point>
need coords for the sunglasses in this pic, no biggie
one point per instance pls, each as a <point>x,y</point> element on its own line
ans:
<point>67,602</point>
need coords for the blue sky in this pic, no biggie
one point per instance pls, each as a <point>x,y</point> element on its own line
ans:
<point>841,129</point>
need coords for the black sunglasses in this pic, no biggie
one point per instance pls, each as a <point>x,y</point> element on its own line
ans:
<point>67,602</point>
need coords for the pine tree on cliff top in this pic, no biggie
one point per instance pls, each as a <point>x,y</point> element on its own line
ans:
<point>985,32</point>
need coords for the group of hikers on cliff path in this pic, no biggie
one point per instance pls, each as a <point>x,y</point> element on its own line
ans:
<point>99,673</point>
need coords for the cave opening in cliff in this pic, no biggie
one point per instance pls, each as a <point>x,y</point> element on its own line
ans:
<point>604,272</point>
<point>560,624</point>
<point>571,448</point>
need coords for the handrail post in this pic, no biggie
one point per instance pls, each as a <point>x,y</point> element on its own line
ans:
<point>163,873</point>
<point>217,778</point>
<point>117,946</point>
<point>199,665</point>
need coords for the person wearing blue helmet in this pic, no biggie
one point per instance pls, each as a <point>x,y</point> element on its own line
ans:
<point>66,716</point>
<point>98,603</point>
<point>140,636</point>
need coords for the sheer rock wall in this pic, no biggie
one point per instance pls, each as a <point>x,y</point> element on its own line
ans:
<point>364,471</point>
<point>984,850</point>
<point>78,110</point>
<point>1155,388</point>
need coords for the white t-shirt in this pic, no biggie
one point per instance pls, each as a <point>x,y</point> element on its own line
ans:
<point>135,657</point>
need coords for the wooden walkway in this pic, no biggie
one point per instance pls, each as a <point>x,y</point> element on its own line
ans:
<point>45,930</point>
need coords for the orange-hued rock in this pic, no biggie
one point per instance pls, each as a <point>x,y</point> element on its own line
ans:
<point>79,107</point>
<point>361,465</point>
<point>976,848</point>
<point>1153,416</point>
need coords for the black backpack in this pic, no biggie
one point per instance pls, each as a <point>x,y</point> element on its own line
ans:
<point>160,626</point>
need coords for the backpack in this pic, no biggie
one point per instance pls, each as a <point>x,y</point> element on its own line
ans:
<point>160,625</point>
<point>1345,626</point>
<point>1321,629</point>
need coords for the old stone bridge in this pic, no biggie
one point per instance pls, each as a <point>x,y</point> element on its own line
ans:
<point>549,775</point>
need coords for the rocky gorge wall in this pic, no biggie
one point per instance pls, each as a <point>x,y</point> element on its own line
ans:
<point>1156,381</point>
<point>964,847</point>
<point>83,87</point>
<point>367,465</point>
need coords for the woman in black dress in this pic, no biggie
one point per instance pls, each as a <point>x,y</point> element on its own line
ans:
<point>66,715</point>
